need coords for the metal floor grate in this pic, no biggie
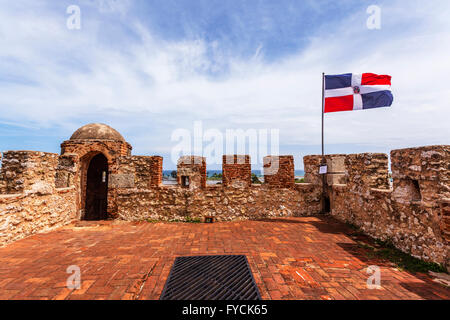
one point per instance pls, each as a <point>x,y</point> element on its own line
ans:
<point>211,278</point>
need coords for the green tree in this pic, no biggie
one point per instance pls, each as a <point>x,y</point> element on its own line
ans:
<point>255,179</point>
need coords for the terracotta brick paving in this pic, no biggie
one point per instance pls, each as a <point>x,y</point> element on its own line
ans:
<point>293,258</point>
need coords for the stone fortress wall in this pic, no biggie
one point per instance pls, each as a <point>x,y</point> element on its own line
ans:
<point>235,199</point>
<point>40,191</point>
<point>413,214</point>
<point>30,201</point>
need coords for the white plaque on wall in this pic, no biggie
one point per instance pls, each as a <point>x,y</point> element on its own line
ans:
<point>323,169</point>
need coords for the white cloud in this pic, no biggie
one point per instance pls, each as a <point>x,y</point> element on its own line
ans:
<point>67,75</point>
<point>109,6</point>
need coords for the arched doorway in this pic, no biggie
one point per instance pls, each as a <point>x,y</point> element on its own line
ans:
<point>97,189</point>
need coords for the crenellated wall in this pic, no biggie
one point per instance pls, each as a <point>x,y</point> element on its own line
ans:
<point>24,171</point>
<point>142,172</point>
<point>235,199</point>
<point>412,215</point>
<point>191,172</point>
<point>31,199</point>
<point>40,191</point>
<point>169,203</point>
<point>236,171</point>
<point>279,171</point>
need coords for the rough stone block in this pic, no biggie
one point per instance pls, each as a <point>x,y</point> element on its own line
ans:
<point>236,171</point>
<point>445,219</point>
<point>22,169</point>
<point>336,178</point>
<point>428,167</point>
<point>279,171</point>
<point>367,170</point>
<point>336,164</point>
<point>311,167</point>
<point>191,172</point>
<point>121,181</point>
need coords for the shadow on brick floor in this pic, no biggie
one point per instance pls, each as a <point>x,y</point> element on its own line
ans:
<point>327,224</point>
<point>424,291</point>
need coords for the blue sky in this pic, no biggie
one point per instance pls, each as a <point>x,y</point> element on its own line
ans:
<point>148,68</point>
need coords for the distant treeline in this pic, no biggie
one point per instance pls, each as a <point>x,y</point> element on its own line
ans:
<point>218,173</point>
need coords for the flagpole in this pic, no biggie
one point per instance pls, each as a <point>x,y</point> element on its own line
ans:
<point>323,106</point>
<point>322,163</point>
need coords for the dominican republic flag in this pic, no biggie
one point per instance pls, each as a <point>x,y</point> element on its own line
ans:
<point>346,92</point>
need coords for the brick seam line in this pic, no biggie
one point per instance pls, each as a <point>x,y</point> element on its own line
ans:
<point>69,294</point>
<point>263,284</point>
<point>144,280</point>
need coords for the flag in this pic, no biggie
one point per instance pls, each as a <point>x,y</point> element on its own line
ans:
<point>347,92</point>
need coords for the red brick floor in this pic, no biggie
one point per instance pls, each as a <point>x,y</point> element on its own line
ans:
<point>294,258</point>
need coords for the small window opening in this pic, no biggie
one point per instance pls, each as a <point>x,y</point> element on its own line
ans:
<point>416,194</point>
<point>185,181</point>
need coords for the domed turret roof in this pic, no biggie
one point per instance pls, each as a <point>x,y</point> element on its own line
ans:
<point>97,131</point>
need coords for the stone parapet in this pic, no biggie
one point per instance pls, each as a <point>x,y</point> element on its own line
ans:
<point>279,171</point>
<point>28,171</point>
<point>236,171</point>
<point>169,203</point>
<point>414,215</point>
<point>191,172</point>
<point>23,214</point>
<point>421,174</point>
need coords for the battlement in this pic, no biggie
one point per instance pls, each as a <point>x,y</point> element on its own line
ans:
<point>236,171</point>
<point>413,214</point>
<point>421,174</point>
<point>141,172</point>
<point>191,172</point>
<point>367,170</point>
<point>96,177</point>
<point>279,171</point>
<point>28,171</point>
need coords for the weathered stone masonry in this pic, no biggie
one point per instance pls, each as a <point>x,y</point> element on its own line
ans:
<point>30,202</point>
<point>237,171</point>
<point>279,171</point>
<point>40,191</point>
<point>236,198</point>
<point>173,203</point>
<point>414,214</point>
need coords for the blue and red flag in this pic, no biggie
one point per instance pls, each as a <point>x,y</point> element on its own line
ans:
<point>346,92</point>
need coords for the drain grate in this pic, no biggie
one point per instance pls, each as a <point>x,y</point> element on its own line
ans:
<point>211,278</point>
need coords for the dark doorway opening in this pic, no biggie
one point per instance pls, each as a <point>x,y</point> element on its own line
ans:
<point>326,206</point>
<point>97,189</point>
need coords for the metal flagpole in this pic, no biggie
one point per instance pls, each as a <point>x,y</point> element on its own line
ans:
<point>323,106</point>
<point>323,148</point>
